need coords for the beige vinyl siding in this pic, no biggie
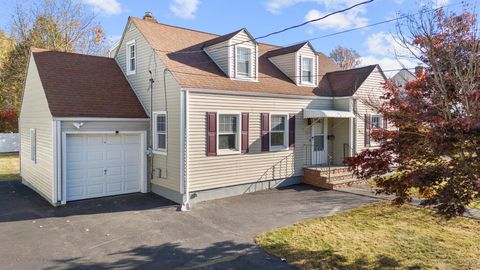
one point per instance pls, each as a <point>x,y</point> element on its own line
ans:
<point>100,126</point>
<point>219,54</point>
<point>35,113</point>
<point>342,104</point>
<point>242,39</point>
<point>147,59</point>
<point>306,51</point>
<point>207,172</point>
<point>286,64</point>
<point>370,90</point>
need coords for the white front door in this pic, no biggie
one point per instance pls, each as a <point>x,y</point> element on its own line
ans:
<point>319,142</point>
<point>100,165</point>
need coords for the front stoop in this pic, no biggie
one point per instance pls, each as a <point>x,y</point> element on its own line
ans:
<point>340,177</point>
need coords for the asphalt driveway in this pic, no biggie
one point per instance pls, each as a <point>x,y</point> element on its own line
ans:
<point>145,231</point>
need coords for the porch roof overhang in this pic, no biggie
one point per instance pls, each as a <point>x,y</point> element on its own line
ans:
<point>310,113</point>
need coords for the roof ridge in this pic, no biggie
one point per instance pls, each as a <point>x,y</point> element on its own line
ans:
<point>35,49</point>
<point>204,32</point>
<point>352,69</point>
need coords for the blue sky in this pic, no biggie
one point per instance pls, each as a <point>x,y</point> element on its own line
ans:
<point>374,44</point>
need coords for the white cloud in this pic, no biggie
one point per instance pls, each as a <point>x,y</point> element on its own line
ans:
<point>109,7</point>
<point>384,44</point>
<point>184,9</point>
<point>339,20</point>
<point>389,65</point>
<point>434,3</point>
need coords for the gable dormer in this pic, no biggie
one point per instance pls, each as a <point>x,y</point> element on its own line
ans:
<point>299,62</point>
<point>236,54</point>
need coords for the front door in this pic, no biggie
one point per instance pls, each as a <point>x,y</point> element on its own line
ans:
<point>319,143</point>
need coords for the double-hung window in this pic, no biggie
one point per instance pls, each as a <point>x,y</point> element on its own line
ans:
<point>228,133</point>
<point>278,132</point>
<point>377,121</point>
<point>131,57</point>
<point>160,132</point>
<point>307,70</point>
<point>244,62</point>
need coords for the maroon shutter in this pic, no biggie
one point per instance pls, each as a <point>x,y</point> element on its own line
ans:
<point>385,123</point>
<point>368,126</point>
<point>211,133</point>
<point>265,128</point>
<point>245,122</point>
<point>291,131</point>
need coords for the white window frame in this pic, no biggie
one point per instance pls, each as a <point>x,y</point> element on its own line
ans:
<point>250,71</point>
<point>380,121</point>
<point>33,145</point>
<point>238,135</point>
<point>302,79</point>
<point>129,58</point>
<point>157,150</point>
<point>286,132</point>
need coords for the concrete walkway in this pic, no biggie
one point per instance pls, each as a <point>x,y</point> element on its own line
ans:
<point>144,231</point>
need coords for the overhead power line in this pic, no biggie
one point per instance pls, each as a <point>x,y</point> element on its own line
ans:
<point>315,20</point>
<point>276,32</point>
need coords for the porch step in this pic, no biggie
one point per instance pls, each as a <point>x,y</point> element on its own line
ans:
<point>338,179</point>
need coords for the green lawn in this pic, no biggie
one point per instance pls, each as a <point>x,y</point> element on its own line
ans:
<point>378,236</point>
<point>9,166</point>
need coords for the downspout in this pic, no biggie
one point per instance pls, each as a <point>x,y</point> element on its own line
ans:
<point>184,152</point>
<point>150,147</point>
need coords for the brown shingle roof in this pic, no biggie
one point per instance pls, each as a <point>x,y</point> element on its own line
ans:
<point>197,70</point>
<point>221,38</point>
<point>286,50</point>
<point>344,83</point>
<point>85,86</point>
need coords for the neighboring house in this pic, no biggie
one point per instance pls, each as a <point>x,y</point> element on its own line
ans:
<point>403,77</point>
<point>229,115</point>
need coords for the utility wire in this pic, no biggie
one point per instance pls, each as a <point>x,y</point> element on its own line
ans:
<point>276,32</point>
<point>315,20</point>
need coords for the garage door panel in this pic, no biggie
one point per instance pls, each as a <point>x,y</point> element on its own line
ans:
<point>93,139</point>
<point>103,165</point>
<point>94,156</point>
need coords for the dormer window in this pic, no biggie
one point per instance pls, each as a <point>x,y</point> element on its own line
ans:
<point>243,62</point>
<point>307,70</point>
<point>131,57</point>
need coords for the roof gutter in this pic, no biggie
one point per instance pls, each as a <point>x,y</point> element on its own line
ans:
<point>103,119</point>
<point>259,94</point>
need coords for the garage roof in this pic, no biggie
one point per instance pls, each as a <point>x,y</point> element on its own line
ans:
<point>79,85</point>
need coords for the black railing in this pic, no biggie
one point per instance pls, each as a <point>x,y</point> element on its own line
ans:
<point>315,158</point>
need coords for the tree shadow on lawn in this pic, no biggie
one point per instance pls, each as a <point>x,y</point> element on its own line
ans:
<point>220,255</point>
<point>329,259</point>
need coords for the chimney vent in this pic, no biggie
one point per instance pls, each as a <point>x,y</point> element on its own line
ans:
<point>149,17</point>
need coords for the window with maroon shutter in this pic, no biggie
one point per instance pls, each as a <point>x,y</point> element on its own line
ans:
<point>245,128</point>
<point>367,127</point>
<point>211,134</point>
<point>385,123</point>
<point>265,130</point>
<point>291,131</point>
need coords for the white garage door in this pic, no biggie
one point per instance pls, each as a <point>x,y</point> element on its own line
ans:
<point>100,165</point>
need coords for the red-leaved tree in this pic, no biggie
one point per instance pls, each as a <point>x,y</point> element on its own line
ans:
<point>434,151</point>
<point>8,121</point>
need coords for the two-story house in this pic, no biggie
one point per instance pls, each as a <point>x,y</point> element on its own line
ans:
<point>188,115</point>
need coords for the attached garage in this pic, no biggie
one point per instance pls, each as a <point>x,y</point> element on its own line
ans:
<point>103,164</point>
<point>83,129</point>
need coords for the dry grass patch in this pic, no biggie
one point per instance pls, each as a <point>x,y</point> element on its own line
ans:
<point>378,236</point>
<point>9,166</point>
